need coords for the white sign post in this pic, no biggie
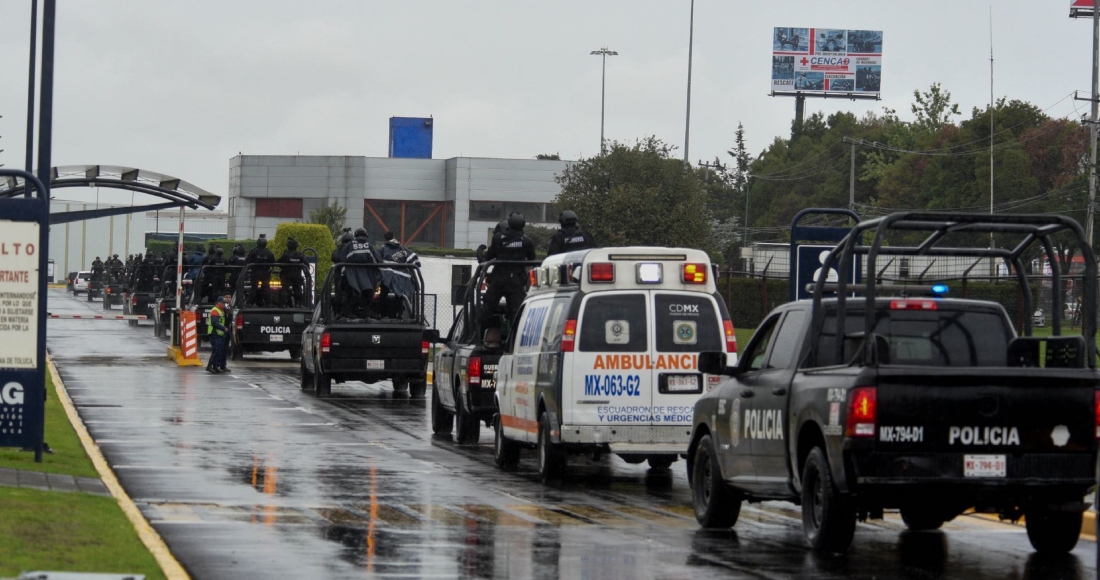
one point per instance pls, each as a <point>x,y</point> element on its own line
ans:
<point>19,259</point>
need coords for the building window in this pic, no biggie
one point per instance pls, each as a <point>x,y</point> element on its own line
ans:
<point>279,208</point>
<point>486,211</point>
<point>494,211</point>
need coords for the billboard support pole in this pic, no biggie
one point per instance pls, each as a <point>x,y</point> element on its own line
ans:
<point>852,181</point>
<point>799,112</point>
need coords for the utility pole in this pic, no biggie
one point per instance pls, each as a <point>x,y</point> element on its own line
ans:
<point>687,121</point>
<point>1094,98</point>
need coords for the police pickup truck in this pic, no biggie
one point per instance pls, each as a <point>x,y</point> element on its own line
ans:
<point>464,369</point>
<point>603,358</point>
<point>141,291</point>
<point>932,406</point>
<point>269,312</point>
<point>370,339</point>
<point>201,292</point>
<point>114,291</point>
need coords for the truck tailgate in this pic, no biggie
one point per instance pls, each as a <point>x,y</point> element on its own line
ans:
<point>377,347</point>
<point>272,325</point>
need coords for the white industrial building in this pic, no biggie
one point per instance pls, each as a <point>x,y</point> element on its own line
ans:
<point>450,203</point>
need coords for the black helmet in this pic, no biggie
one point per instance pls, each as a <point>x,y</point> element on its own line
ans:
<point>568,218</point>
<point>219,251</point>
<point>291,244</point>
<point>262,241</point>
<point>238,250</point>
<point>516,221</point>
<point>361,233</point>
<point>97,257</point>
<point>116,256</point>
<point>346,237</point>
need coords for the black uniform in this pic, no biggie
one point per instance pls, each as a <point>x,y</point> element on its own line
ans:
<point>261,275</point>
<point>570,238</point>
<point>292,277</point>
<point>214,278</point>
<point>237,259</point>
<point>507,280</point>
<point>360,281</point>
<point>97,269</point>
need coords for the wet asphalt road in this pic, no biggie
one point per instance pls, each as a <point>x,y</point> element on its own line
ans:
<point>246,476</point>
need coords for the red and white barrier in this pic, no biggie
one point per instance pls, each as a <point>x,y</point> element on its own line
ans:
<point>99,317</point>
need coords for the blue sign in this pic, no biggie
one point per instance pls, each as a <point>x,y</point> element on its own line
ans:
<point>809,269</point>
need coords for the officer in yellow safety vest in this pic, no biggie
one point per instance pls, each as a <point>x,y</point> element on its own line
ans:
<point>216,331</point>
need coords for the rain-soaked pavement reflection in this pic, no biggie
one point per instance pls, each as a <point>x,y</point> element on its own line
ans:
<point>247,476</point>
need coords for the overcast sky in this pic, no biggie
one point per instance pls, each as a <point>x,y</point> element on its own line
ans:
<point>181,87</point>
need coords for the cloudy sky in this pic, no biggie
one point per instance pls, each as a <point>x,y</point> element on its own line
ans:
<point>181,87</point>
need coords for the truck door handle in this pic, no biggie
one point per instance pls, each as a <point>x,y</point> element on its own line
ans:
<point>747,394</point>
<point>779,391</point>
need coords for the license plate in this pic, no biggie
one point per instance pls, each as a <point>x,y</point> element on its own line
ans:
<point>984,466</point>
<point>683,383</point>
<point>276,338</point>
<point>376,364</point>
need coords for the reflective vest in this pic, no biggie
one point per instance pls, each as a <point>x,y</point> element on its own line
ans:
<point>215,311</point>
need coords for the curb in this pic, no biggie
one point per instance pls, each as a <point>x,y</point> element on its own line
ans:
<point>1088,523</point>
<point>171,567</point>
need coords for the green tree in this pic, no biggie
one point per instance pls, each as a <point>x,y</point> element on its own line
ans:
<point>638,195</point>
<point>330,216</point>
<point>552,156</point>
<point>540,235</point>
<point>934,108</point>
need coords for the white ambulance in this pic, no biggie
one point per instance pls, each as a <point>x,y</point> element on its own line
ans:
<point>604,356</point>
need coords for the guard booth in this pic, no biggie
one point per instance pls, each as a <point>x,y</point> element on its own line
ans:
<point>809,247</point>
<point>24,235</point>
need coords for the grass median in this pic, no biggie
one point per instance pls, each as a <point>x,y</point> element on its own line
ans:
<point>65,531</point>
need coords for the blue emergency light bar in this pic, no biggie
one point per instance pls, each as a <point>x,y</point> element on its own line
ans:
<point>939,288</point>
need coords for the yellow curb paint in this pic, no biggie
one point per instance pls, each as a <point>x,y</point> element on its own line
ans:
<point>1088,523</point>
<point>152,540</point>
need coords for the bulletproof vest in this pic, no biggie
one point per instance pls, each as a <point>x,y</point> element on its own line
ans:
<point>293,258</point>
<point>573,239</point>
<point>237,260</point>
<point>510,246</point>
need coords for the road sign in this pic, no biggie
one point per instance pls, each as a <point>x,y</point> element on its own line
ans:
<point>809,268</point>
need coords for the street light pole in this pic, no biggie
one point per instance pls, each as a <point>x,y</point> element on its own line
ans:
<point>603,53</point>
<point>687,119</point>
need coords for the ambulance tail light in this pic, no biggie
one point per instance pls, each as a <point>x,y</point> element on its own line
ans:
<point>425,347</point>
<point>731,336</point>
<point>695,273</point>
<point>473,370</point>
<point>326,342</point>
<point>569,336</point>
<point>862,408</point>
<point>533,278</point>
<point>601,272</point>
<point>239,322</point>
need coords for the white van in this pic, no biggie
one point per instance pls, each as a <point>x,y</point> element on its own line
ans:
<point>604,356</point>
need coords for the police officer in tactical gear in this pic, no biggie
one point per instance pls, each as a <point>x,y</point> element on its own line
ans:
<point>214,278</point>
<point>507,280</point>
<point>345,239</point>
<point>570,237</point>
<point>260,275</point>
<point>291,273</point>
<point>361,282</point>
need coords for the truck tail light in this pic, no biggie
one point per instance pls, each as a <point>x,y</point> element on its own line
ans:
<point>473,370</point>
<point>326,343</point>
<point>133,301</point>
<point>569,336</point>
<point>862,408</point>
<point>913,305</point>
<point>238,321</point>
<point>163,307</point>
<point>425,347</point>
<point>695,273</point>
<point>601,272</point>
<point>731,336</point>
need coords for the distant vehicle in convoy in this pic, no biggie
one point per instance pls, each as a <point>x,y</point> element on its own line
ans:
<point>164,304</point>
<point>141,291</point>
<point>465,365</point>
<point>115,288</point>
<point>81,281</point>
<point>266,317</point>
<point>70,281</point>
<point>603,358</point>
<point>929,405</point>
<point>387,337</point>
<point>201,293</point>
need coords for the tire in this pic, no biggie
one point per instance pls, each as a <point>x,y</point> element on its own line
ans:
<point>467,427</point>
<point>417,388</point>
<point>661,462</point>
<point>828,519</point>
<point>505,451</point>
<point>306,377</point>
<point>295,353</point>
<point>89,296</point>
<point>131,322</point>
<point>322,383</point>
<point>106,303</point>
<point>442,419</point>
<point>551,459</point>
<point>716,505</point>
<point>921,519</point>
<point>1052,532</point>
<point>400,384</point>
<point>236,351</point>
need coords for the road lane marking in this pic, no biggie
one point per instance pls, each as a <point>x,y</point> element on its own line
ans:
<point>548,515</point>
<point>497,517</point>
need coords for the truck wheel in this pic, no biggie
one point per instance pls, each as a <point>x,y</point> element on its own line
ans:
<point>921,518</point>
<point>89,295</point>
<point>828,519</point>
<point>661,462</point>
<point>442,420</point>
<point>468,428</point>
<point>307,379</point>
<point>1052,532</point>
<point>505,451</point>
<point>417,388</point>
<point>295,353</point>
<point>106,303</point>
<point>551,459</point>
<point>322,383</point>
<point>400,384</point>
<point>236,351</point>
<point>716,505</point>
<point>131,322</point>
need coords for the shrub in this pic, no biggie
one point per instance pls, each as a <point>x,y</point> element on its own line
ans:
<point>313,236</point>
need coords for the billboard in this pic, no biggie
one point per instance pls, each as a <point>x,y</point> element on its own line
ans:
<point>827,61</point>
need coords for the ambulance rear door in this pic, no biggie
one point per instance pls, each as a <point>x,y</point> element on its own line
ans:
<point>685,324</point>
<point>608,377</point>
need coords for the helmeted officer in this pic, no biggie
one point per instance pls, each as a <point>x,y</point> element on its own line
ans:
<point>216,331</point>
<point>291,273</point>
<point>238,260</point>
<point>361,281</point>
<point>345,239</point>
<point>570,237</point>
<point>260,275</point>
<point>508,280</point>
<point>214,279</point>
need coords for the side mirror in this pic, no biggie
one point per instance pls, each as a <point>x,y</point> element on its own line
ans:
<point>714,363</point>
<point>431,335</point>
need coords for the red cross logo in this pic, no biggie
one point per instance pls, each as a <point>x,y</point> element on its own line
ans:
<point>804,61</point>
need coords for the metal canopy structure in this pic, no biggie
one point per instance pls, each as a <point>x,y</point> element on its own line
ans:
<point>175,191</point>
